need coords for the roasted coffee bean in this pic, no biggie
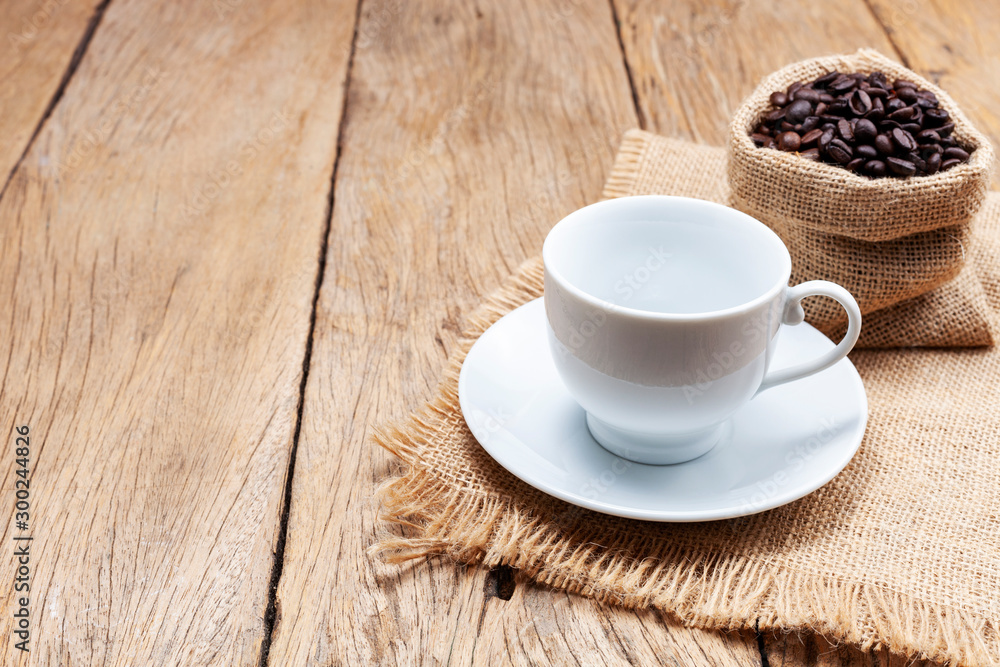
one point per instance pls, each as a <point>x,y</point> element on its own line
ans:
<point>875,168</point>
<point>903,140</point>
<point>798,111</point>
<point>883,144</point>
<point>955,153</point>
<point>927,136</point>
<point>860,102</point>
<point>825,139</point>
<point>845,130</point>
<point>901,115</point>
<point>863,123</point>
<point>840,151</point>
<point>864,131</point>
<point>901,167</point>
<point>789,141</point>
<point>807,94</point>
<point>908,95</point>
<point>935,117</point>
<point>810,137</point>
<point>824,80</point>
<point>933,163</point>
<point>862,150</point>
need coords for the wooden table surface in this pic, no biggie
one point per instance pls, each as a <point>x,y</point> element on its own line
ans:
<point>236,234</point>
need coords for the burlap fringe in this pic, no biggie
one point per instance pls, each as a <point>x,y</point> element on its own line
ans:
<point>716,591</point>
<point>626,168</point>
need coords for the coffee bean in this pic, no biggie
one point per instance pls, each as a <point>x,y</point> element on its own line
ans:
<point>860,102</point>
<point>864,130</point>
<point>935,117</point>
<point>901,115</point>
<point>901,167</point>
<point>840,151</point>
<point>864,150</point>
<point>811,137</point>
<point>807,94</point>
<point>863,123</point>
<point>798,111</point>
<point>875,168</point>
<point>789,141</point>
<point>927,136</point>
<point>933,163</point>
<point>955,153</point>
<point>822,81</point>
<point>908,95</point>
<point>825,139</point>
<point>903,140</point>
<point>883,144</point>
<point>845,130</point>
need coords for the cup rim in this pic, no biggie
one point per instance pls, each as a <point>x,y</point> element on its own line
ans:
<point>648,315</point>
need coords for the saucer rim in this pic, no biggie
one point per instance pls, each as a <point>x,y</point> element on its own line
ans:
<point>678,516</point>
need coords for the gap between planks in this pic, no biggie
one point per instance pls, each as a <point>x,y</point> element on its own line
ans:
<point>74,63</point>
<point>271,611</point>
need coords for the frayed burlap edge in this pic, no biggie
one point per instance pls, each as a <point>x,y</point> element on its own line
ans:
<point>709,590</point>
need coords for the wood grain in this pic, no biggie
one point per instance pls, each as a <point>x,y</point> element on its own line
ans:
<point>953,43</point>
<point>39,40</point>
<point>160,249</point>
<point>694,61</point>
<point>793,650</point>
<point>470,130</point>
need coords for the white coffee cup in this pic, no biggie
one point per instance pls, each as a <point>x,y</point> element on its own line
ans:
<point>663,315</point>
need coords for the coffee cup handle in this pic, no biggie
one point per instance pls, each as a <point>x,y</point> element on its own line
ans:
<point>793,314</point>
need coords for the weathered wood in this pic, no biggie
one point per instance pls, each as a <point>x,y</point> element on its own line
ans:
<point>694,61</point>
<point>793,650</point>
<point>38,42</point>
<point>953,43</point>
<point>470,130</point>
<point>161,242</point>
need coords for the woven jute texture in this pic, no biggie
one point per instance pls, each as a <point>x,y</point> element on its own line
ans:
<point>886,240</point>
<point>901,549</point>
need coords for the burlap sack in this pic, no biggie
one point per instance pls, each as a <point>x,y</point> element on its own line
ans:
<point>953,313</point>
<point>885,240</point>
<point>902,549</point>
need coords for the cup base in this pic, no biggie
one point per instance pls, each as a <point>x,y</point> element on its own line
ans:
<point>656,448</point>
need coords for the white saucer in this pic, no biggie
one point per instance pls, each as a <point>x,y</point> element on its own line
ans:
<point>784,444</point>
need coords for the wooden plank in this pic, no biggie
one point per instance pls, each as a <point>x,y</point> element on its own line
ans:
<point>470,130</point>
<point>694,61</point>
<point>161,242</point>
<point>953,43</point>
<point>39,39</point>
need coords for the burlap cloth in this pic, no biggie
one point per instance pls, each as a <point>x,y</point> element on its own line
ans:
<point>902,549</point>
